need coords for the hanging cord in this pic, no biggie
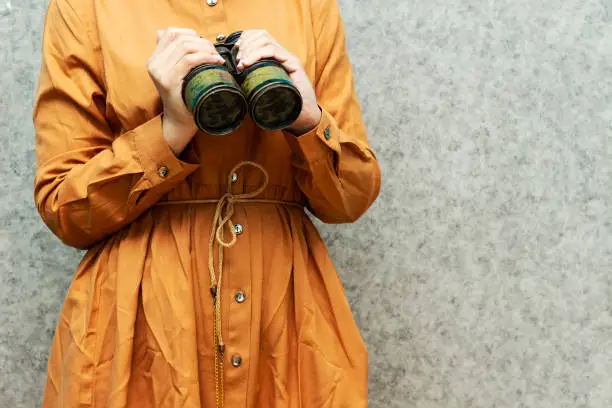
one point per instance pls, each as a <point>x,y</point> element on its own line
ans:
<point>221,219</point>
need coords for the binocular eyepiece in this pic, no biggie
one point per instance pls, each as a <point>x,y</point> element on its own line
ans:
<point>220,96</point>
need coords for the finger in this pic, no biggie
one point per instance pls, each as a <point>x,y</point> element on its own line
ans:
<point>163,39</point>
<point>173,33</point>
<point>252,45</point>
<point>163,63</point>
<point>269,51</point>
<point>247,42</point>
<point>188,45</point>
<point>278,53</point>
<point>192,60</point>
<point>247,36</point>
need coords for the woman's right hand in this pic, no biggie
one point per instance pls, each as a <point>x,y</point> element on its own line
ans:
<point>178,51</point>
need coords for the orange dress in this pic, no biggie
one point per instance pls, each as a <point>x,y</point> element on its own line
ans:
<point>136,328</point>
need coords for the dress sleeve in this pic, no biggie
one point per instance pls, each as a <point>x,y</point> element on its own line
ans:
<point>334,165</point>
<point>90,182</point>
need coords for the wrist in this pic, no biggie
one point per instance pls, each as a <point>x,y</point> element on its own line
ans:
<point>177,134</point>
<point>308,120</point>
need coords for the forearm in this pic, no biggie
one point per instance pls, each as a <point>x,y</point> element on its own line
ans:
<point>83,200</point>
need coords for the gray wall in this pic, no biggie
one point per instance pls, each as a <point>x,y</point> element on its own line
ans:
<point>482,276</point>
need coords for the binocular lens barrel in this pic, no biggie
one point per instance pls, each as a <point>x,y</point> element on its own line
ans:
<point>215,99</point>
<point>274,102</point>
<point>220,96</point>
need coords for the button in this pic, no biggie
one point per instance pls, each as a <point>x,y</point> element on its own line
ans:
<point>236,360</point>
<point>234,177</point>
<point>211,3</point>
<point>238,229</point>
<point>163,171</point>
<point>327,134</point>
<point>240,296</point>
<point>220,38</point>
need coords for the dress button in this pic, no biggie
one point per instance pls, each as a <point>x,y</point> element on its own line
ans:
<point>163,171</point>
<point>220,38</point>
<point>211,2</point>
<point>240,296</point>
<point>234,177</point>
<point>327,134</point>
<point>238,229</point>
<point>236,360</point>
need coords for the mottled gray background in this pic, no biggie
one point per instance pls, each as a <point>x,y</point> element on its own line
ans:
<point>483,275</point>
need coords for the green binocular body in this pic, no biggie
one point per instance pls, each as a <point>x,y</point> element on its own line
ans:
<point>220,96</point>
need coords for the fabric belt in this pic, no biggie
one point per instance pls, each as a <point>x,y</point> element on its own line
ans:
<point>221,219</point>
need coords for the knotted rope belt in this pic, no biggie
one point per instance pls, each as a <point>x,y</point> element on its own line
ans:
<point>221,219</point>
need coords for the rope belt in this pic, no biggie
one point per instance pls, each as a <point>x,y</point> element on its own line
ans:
<point>221,219</point>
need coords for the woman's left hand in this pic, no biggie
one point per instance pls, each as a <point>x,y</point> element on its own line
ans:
<point>255,45</point>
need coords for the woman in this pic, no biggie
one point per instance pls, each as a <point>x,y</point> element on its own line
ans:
<point>205,283</point>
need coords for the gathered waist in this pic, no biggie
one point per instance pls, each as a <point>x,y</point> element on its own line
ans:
<point>222,223</point>
<point>234,200</point>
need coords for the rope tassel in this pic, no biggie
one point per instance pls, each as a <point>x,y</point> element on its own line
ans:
<point>221,219</point>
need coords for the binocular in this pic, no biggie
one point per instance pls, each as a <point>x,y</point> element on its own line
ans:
<point>219,96</point>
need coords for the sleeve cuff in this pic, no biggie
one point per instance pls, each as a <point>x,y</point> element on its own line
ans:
<point>319,142</point>
<point>155,155</point>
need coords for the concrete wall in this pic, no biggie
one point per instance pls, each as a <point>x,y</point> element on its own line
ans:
<point>482,276</point>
